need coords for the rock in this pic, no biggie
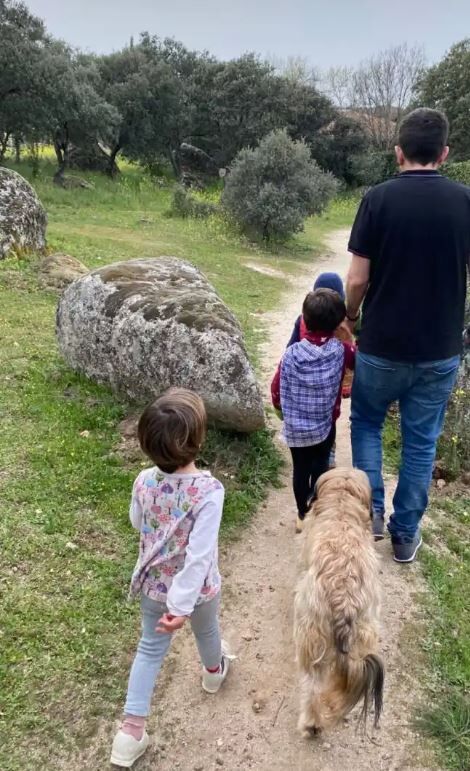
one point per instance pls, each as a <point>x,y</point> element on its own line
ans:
<point>196,159</point>
<point>23,219</point>
<point>69,182</point>
<point>59,270</point>
<point>147,324</point>
<point>441,483</point>
<point>259,702</point>
<point>248,637</point>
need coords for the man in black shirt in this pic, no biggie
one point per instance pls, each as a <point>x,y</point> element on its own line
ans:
<point>411,246</point>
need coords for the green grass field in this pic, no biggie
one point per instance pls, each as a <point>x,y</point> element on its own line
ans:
<point>446,566</point>
<point>67,546</point>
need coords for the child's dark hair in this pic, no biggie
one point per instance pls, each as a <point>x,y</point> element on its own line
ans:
<point>323,310</point>
<point>423,135</point>
<point>172,429</point>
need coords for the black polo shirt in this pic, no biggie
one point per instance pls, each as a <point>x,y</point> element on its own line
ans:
<point>415,230</point>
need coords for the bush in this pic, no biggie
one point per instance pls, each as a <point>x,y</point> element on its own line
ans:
<point>272,189</point>
<point>184,204</point>
<point>454,444</point>
<point>459,172</point>
<point>371,168</point>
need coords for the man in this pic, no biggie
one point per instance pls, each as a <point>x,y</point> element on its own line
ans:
<point>411,245</point>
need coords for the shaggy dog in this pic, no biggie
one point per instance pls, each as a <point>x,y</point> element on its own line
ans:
<point>337,605</point>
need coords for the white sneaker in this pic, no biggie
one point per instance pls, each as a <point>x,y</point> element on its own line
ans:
<point>126,750</point>
<point>212,681</point>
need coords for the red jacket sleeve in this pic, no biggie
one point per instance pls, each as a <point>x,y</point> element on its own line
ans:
<point>276,389</point>
<point>349,355</point>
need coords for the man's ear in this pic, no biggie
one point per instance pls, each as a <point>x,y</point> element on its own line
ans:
<point>443,156</point>
<point>399,155</point>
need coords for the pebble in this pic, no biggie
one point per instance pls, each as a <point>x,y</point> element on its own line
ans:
<point>219,761</point>
<point>247,637</point>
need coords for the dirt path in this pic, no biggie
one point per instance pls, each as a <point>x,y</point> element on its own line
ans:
<point>251,724</point>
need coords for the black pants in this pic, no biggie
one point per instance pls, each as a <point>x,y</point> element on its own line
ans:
<point>309,464</point>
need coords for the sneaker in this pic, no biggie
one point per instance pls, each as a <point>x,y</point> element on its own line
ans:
<point>299,525</point>
<point>212,681</point>
<point>126,750</point>
<point>378,526</point>
<point>405,551</point>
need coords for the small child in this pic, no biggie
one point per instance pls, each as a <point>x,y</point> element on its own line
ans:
<point>327,281</point>
<point>309,392</point>
<point>177,510</point>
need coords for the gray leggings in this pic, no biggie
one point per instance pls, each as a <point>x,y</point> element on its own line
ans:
<point>153,647</point>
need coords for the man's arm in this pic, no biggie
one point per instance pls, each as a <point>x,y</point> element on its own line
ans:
<point>356,286</point>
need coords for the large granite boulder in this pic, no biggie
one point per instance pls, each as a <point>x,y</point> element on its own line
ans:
<point>147,324</point>
<point>23,219</point>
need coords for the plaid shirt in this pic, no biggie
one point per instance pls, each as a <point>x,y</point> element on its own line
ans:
<point>311,377</point>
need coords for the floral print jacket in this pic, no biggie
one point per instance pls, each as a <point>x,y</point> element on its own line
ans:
<point>178,516</point>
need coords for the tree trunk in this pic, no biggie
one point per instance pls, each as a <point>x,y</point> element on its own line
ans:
<point>112,169</point>
<point>174,160</point>
<point>17,149</point>
<point>4,145</point>
<point>61,147</point>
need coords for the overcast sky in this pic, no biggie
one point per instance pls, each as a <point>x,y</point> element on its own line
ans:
<point>328,32</point>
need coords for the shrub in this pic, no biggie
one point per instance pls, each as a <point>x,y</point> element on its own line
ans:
<point>454,444</point>
<point>371,168</point>
<point>459,172</point>
<point>272,189</point>
<point>184,204</point>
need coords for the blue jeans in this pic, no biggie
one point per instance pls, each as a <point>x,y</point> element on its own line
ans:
<point>422,391</point>
<point>154,646</point>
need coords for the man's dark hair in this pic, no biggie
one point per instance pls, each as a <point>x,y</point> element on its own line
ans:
<point>172,429</point>
<point>323,310</point>
<point>423,135</point>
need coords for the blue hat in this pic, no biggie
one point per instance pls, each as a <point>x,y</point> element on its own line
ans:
<point>330,281</point>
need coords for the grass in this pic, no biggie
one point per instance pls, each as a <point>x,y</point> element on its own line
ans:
<point>446,566</point>
<point>67,546</point>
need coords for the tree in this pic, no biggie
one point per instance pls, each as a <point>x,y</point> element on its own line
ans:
<point>337,83</point>
<point>126,83</point>
<point>295,69</point>
<point>22,37</point>
<point>272,189</point>
<point>338,146</point>
<point>446,86</point>
<point>72,112</point>
<point>382,90</point>
<point>379,91</point>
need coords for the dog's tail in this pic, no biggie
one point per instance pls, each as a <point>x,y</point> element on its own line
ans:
<point>363,679</point>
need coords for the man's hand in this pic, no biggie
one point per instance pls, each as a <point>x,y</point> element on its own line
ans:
<point>168,624</point>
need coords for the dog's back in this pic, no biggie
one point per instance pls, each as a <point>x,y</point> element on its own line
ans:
<point>336,604</point>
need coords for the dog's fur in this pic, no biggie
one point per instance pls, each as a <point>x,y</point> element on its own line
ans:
<point>337,605</point>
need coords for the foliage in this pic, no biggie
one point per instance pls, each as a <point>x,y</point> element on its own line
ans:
<point>372,167</point>
<point>454,444</point>
<point>339,146</point>
<point>446,86</point>
<point>184,204</point>
<point>22,38</point>
<point>446,567</point>
<point>458,171</point>
<point>148,101</point>
<point>271,190</point>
